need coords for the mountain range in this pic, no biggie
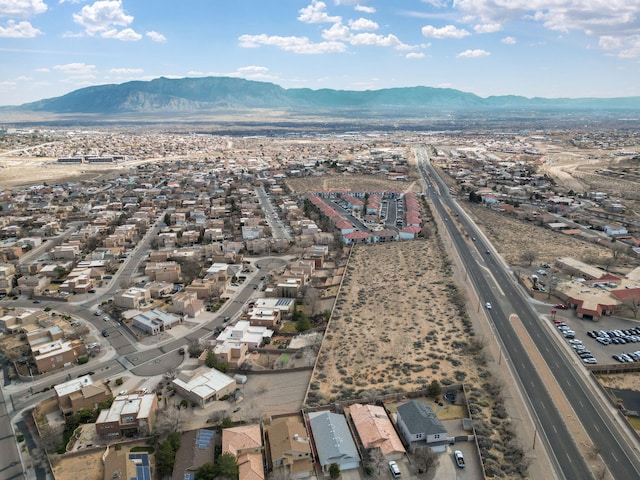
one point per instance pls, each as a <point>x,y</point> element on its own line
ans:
<point>228,94</point>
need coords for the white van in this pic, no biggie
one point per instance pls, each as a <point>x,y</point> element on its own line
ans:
<point>395,471</point>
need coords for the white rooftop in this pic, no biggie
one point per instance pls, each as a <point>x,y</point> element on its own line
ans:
<point>74,385</point>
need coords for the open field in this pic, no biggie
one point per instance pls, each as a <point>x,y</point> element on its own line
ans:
<point>395,326</point>
<point>511,237</point>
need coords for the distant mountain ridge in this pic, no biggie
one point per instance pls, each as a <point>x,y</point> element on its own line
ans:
<point>216,94</point>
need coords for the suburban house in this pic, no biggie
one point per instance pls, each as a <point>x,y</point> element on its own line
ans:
<point>231,352</point>
<point>79,393</point>
<point>245,333</point>
<point>120,463</point>
<point>163,272</point>
<point>57,354</point>
<point>155,321</point>
<point>420,426</point>
<point>376,430</point>
<point>132,298</point>
<point>290,447</point>
<point>186,303</point>
<point>204,385</point>
<point>197,447</point>
<point>333,441</point>
<point>264,317</point>
<point>128,415</point>
<point>245,443</point>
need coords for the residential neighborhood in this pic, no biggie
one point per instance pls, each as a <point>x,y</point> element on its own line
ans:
<point>159,293</point>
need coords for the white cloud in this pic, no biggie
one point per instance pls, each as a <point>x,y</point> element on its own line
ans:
<point>126,71</point>
<point>43,70</point>
<point>414,55</point>
<point>316,13</point>
<point>18,30</point>
<point>435,3</point>
<point>253,72</point>
<point>449,31</point>
<point>71,1</point>
<point>473,54</point>
<point>75,68</point>
<point>299,45</point>
<point>21,8</point>
<point>606,19</point>
<point>487,28</point>
<point>101,16</point>
<point>252,69</point>
<point>364,9</point>
<point>373,39</point>
<point>363,24</point>
<point>337,32</point>
<point>126,35</point>
<point>341,33</point>
<point>509,40</point>
<point>76,72</point>
<point>156,37</point>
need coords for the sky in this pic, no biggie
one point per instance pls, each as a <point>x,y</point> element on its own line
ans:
<point>533,48</point>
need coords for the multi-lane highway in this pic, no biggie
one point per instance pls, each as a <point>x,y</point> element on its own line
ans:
<point>496,285</point>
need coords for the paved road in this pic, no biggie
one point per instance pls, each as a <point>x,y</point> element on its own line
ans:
<point>498,288</point>
<point>10,464</point>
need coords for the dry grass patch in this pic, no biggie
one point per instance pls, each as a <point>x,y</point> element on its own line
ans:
<point>511,237</point>
<point>396,325</point>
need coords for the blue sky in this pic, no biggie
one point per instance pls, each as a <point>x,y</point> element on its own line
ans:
<point>545,48</point>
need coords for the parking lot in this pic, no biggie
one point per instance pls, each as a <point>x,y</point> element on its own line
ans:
<point>603,338</point>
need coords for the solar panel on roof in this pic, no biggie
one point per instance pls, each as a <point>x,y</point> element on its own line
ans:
<point>203,438</point>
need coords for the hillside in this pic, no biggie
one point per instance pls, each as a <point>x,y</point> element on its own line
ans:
<point>215,95</point>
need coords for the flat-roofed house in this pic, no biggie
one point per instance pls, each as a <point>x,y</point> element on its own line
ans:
<point>79,393</point>
<point>132,298</point>
<point>128,415</point>
<point>204,385</point>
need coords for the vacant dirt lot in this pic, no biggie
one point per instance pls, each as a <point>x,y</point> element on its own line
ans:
<point>511,237</point>
<point>395,326</point>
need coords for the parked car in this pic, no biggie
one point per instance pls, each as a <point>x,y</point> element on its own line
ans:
<point>181,351</point>
<point>459,458</point>
<point>560,306</point>
<point>105,333</point>
<point>395,471</point>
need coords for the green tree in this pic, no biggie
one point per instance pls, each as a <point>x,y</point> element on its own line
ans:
<point>226,467</point>
<point>434,390</point>
<point>334,470</point>
<point>211,360</point>
<point>206,472</point>
<point>226,423</point>
<point>303,324</point>
<point>174,440</point>
<point>60,272</point>
<point>165,458</point>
